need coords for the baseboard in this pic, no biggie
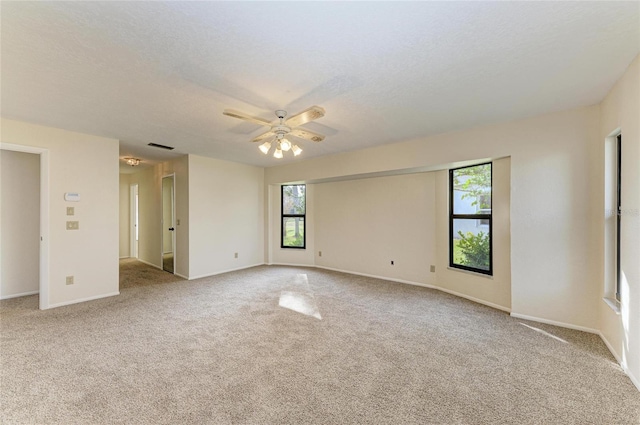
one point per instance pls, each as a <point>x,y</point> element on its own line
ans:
<point>126,256</point>
<point>179,275</point>
<point>81,300</point>
<point>224,271</point>
<point>292,265</point>
<point>22,294</point>
<point>149,264</point>
<point>475,300</point>
<point>390,279</point>
<point>424,285</point>
<point>624,367</point>
<point>555,323</point>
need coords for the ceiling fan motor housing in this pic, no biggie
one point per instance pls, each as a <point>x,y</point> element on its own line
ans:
<point>280,129</point>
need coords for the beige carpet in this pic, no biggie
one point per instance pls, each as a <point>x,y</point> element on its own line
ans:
<point>281,345</point>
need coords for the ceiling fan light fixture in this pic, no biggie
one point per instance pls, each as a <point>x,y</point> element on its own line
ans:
<point>265,147</point>
<point>285,145</point>
<point>132,161</point>
<point>281,128</point>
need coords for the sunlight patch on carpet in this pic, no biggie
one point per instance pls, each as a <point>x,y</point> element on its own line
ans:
<point>544,333</point>
<point>301,301</point>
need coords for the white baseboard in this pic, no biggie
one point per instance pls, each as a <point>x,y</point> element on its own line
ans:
<point>474,299</point>
<point>292,265</point>
<point>22,294</point>
<point>624,367</point>
<point>81,300</point>
<point>424,285</point>
<point>555,323</point>
<point>122,258</point>
<point>179,275</point>
<point>149,264</point>
<point>224,271</point>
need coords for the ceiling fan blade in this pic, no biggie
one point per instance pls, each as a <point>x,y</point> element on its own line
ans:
<point>243,116</point>
<point>307,135</point>
<point>264,136</point>
<point>305,116</point>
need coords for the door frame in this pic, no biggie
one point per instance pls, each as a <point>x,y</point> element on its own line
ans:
<point>44,216</point>
<point>134,211</point>
<point>173,216</point>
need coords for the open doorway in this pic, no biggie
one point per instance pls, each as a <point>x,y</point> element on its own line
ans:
<point>134,216</point>
<point>168,223</point>
<point>25,222</point>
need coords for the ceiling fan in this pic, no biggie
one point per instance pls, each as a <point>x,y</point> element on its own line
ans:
<point>281,128</point>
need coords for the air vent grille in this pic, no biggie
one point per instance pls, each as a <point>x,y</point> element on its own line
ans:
<point>155,145</point>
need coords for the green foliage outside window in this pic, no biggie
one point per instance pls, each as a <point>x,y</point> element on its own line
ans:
<point>474,249</point>
<point>470,237</point>
<point>293,215</point>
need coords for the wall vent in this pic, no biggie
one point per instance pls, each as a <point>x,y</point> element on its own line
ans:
<point>155,145</point>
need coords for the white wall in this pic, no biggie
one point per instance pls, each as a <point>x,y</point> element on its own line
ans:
<point>125,214</point>
<point>362,225</point>
<point>226,215</point>
<point>621,110</point>
<point>19,223</point>
<point>88,165</point>
<point>553,207</point>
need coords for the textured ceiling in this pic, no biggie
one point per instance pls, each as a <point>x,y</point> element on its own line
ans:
<point>384,72</point>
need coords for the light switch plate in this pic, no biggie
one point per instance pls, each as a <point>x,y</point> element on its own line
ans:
<point>71,210</point>
<point>73,225</point>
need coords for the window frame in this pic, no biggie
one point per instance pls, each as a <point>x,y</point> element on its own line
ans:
<point>283,216</point>
<point>476,216</point>
<point>618,214</point>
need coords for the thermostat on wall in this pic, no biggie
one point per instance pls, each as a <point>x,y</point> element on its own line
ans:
<point>72,197</point>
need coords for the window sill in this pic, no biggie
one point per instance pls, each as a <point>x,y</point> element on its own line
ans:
<point>614,304</point>
<point>486,276</point>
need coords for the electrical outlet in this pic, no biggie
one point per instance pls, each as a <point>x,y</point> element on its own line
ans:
<point>319,253</point>
<point>235,255</point>
<point>71,210</point>
<point>433,269</point>
<point>392,262</point>
<point>69,280</point>
<point>73,225</point>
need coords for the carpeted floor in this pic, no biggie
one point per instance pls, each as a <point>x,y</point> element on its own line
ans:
<point>283,345</point>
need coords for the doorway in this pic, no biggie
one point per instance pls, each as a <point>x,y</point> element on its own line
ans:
<point>25,222</point>
<point>168,223</point>
<point>133,214</point>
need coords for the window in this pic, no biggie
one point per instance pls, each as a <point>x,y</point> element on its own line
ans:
<point>618,210</point>
<point>613,219</point>
<point>470,222</point>
<point>294,206</point>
